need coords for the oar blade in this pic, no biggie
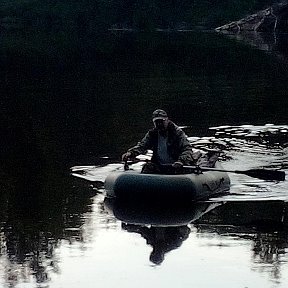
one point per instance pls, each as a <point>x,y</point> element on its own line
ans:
<point>266,174</point>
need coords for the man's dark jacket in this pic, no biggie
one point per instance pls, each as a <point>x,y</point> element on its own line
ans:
<point>178,146</point>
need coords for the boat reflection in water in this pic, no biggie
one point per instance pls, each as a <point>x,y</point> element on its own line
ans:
<point>162,239</point>
<point>164,226</point>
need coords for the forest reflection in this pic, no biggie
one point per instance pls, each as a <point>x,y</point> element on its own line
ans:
<point>35,222</point>
<point>264,223</point>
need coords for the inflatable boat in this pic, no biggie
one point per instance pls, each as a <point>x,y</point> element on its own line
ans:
<point>191,186</point>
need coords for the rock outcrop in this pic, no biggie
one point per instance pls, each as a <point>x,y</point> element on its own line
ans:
<point>272,19</point>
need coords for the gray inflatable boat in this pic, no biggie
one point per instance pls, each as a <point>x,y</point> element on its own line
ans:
<point>192,186</point>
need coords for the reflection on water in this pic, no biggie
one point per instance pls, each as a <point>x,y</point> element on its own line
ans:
<point>163,230</point>
<point>157,213</point>
<point>29,238</point>
<point>274,43</point>
<point>263,223</point>
<point>162,239</point>
<point>249,147</point>
<point>85,232</point>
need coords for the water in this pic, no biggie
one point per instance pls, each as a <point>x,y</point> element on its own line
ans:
<point>81,104</point>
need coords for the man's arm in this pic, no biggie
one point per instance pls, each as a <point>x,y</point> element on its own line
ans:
<point>186,152</point>
<point>140,148</point>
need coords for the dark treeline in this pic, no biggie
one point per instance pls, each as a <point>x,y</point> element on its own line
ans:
<point>133,14</point>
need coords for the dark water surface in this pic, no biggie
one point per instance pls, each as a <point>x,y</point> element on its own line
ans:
<point>80,101</point>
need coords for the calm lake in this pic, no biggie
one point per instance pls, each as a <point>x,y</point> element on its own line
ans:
<point>72,104</point>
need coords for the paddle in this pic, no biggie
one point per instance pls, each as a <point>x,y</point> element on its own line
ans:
<point>263,174</point>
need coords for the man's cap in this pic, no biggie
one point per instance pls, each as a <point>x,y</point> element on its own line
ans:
<point>159,114</point>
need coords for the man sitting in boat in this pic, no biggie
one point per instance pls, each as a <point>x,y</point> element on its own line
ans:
<point>169,144</point>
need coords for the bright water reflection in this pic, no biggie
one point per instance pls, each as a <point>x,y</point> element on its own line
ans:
<point>111,253</point>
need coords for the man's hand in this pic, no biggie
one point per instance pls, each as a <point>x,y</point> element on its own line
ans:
<point>177,165</point>
<point>126,156</point>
